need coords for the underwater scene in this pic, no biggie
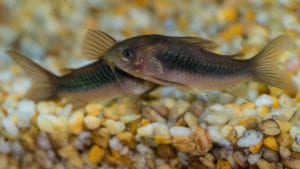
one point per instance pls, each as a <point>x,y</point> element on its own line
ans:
<point>140,84</point>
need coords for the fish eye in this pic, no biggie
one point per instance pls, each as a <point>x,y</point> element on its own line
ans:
<point>128,53</point>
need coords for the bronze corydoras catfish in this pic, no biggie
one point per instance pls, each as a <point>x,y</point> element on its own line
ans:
<point>188,63</point>
<point>93,82</point>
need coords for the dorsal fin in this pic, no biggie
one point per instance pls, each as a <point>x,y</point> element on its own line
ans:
<point>96,43</point>
<point>203,43</point>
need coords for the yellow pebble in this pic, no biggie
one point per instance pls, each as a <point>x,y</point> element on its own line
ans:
<point>95,154</point>
<point>75,122</point>
<point>270,142</point>
<point>228,14</point>
<point>274,91</point>
<point>284,125</point>
<point>248,105</point>
<point>275,102</point>
<point>223,164</point>
<point>233,30</point>
<point>255,148</point>
<point>261,88</point>
<point>298,97</point>
<point>93,109</point>
<point>248,122</point>
<point>263,111</point>
<point>161,140</point>
<point>250,15</point>
<point>144,122</point>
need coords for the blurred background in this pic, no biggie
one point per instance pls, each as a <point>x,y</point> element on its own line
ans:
<point>55,28</point>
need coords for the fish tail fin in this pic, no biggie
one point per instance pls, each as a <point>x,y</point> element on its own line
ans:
<point>265,65</point>
<point>43,84</point>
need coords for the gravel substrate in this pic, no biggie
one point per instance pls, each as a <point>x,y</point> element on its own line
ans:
<point>172,129</point>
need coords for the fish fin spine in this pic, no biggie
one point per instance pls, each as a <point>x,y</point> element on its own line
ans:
<point>44,83</point>
<point>265,65</point>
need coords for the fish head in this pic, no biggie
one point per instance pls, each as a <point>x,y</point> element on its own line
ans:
<point>133,55</point>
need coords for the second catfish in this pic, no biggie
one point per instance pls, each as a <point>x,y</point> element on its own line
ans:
<point>188,63</point>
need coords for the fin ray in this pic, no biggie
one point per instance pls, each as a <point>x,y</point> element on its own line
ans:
<point>96,43</point>
<point>265,65</point>
<point>43,82</point>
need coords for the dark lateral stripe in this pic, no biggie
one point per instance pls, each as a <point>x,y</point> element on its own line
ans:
<point>92,77</point>
<point>194,64</point>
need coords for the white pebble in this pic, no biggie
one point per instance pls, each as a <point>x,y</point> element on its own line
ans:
<point>92,122</point>
<point>114,127</point>
<point>252,158</point>
<point>115,144</point>
<point>46,108</point>
<point>146,131</point>
<point>250,138</point>
<point>145,151</point>
<point>215,133</point>
<point>217,118</point>
<point>17,148</point>
<point>264,100</point>
<point>180,131</point>
<point>4,146</point>
<point>297,138</point>
<point>127,118</point>
<point>43,141</point>
<point>240,130</point>
<point>162,130</point>
<point>26,111</point>
<point>10,127</point>
<point>46,122</point>
<point>294,131</point>
<point>190,119</point>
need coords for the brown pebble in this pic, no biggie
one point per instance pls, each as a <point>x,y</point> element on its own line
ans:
<point>127,138</point>
<point>270,156</point>
<point>184,144</point>
<point>269,127</point>
<point>209,164</point>
<point>165,151</point>
<point>239,158</point>
<point>203,140</point>
<point>232,137</point>
<point>195,163</point>
<point>292,163</point>
<point>263,164</point>
<point>152,115</point>
<point>197,107</point>
<point>223,164</point>
<point>284,139</point>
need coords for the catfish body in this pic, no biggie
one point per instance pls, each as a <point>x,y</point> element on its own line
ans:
<point>188,63</point>
<point>93,82</point>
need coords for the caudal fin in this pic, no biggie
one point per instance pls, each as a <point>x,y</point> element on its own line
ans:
<point>265,65</point>
<point>44,83</point>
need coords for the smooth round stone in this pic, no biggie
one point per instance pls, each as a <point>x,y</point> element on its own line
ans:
<point>180,131</point>
<point>114,127</point>
<point>75,122</point>
<point>127,118</point>
<point>46,122</point>
<point>217,118</point>
<point>92,122</point>
<point>26,111</point>
<point>250,138</point>
<point>10,127</point>
<point>264,100</point>
<point>146,131</point>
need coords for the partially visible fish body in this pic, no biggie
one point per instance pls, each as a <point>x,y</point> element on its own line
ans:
<point>184,62</point>
<point>93,82</point>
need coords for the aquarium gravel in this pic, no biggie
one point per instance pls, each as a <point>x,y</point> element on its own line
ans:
<point>169,128</point>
